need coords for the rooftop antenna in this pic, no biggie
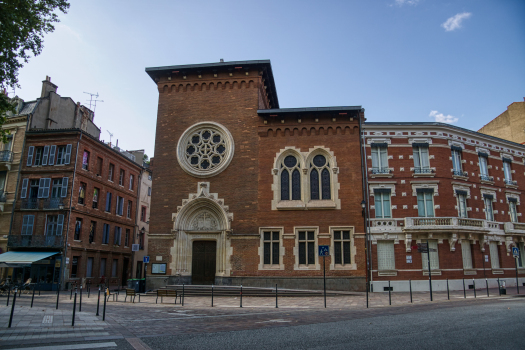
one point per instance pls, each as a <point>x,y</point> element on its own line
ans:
<point>91,98</point>
<point>110,136</point>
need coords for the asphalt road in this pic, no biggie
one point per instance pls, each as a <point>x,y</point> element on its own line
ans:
<point>500,325</point>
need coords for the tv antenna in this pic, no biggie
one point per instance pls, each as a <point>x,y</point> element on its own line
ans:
<point>93,101</point>
<point>110,136</point>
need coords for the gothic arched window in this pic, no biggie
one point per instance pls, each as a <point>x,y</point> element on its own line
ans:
<point>290,179</point>
<point>320,187</point>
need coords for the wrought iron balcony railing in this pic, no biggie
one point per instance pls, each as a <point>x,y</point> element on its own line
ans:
<point>30,203</point>
<point>53,203</point>
<point>30,241</point>
<point>460,173</point>
<point>422,170</point>
<point>511,182</point>
<point>6,156</point>
<point>486,178</point>
<point>380,170</point>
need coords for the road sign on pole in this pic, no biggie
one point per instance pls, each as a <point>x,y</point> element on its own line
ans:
<point>324,250</point>
<point>515,252</point>
<point>146,260</point>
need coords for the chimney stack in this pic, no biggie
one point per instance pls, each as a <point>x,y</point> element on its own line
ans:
<point>48,86</point>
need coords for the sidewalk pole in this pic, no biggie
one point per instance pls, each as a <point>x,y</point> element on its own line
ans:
<point>12,310</point>
<point>389,294</point>
<point>499,287</point>
<point>212,295</point>
<point>98,300</point>
<point>517,283</point>
<point>429,271</point>
<point>276,306</point>
<point>89,290</point>
<point>464,290</point>
<point>8,295</point>
<point>183,294</point>
<point>104,309</point>
<point>474,285</point>
<point>324,279</point>
<point>241,295</point>
<point>410,286</point>
<point>80,305</point>
<point>33,297</point>
<point>58,294</point>
<point>74,309</point>
<point>71,294</point>
<point>487,284</point>
<point>448,291</point>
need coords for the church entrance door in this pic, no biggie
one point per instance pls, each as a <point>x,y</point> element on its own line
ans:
<point>203,262</point>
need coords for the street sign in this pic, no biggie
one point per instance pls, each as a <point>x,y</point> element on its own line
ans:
<point>135,247</point>
<point>324,250</point>
<point>409,259</point>
<point>515,252</point>
<point>146,260</point>
<point>423,248</point>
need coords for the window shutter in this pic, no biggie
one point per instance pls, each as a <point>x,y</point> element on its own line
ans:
<point>46,155</point>
<point>24,188</point>
<point>24,224</point>
<point>52,152</point>
<point>424,157</point>
<point>30,155</point>
<point>384,157</point>
<point>41,188</point>
<point>467,254</point>
<point>385,255</point>
<point>47,185</point>
<point>494,257</point>
<point>375,157</point>
<point>30,222</point>
<point>60,224</point>
<point>119,236</point>
<point>65,181</point>
<point>68,154</point>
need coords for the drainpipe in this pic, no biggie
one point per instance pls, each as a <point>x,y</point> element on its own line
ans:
<point>70,207</point>
<point>364,174</point>
<point>133,268</point>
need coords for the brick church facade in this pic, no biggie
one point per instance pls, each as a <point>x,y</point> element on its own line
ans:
<point>245,191</point>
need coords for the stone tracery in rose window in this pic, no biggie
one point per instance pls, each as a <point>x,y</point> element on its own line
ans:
<point>206,149</point>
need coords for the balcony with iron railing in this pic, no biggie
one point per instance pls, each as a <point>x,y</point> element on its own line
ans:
<point>487,178</point>
<point>30,204</point>
<point>6,156</point>
<point>460,173</point>
<point>423,170</point>
<point>30,241</point>
<point>379,171</point>
<point>53,203</point>
<point>511,182</point>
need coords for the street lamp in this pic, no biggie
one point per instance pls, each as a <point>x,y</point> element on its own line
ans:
<point>363,206</point>
<point>60,206</point>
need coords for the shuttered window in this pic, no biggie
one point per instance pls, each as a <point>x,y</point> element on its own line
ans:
<point>27,224</point>
<point>105,234</point>
<point>494,256</point>
<point>466,253</point>
<point>385,255</point>
<point>434,256</point>
<point>45,156</point>
<point>67,156</point>
<point>52,151</point>
<point>23,194</point>
<point>108,202</point>
<point>43,188</point>
<point>65,181</point>
<point>30,153</point>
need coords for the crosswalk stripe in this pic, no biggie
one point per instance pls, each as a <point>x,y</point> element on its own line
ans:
<point>70,347</point>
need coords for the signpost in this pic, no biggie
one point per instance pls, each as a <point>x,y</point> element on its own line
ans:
<point>423,248</point>
<point>516,255</point>
<point>146,261</point>
<point>324,251</point>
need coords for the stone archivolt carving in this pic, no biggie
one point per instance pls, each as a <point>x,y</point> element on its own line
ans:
<point>204,221</point>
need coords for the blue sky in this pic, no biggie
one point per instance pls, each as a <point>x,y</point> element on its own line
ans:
<point>459,61</point>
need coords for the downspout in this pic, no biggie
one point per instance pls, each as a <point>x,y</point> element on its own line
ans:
<point>364,174</point>
<point>133,268</point>
<point>70,207</point>
<point>18,178</point>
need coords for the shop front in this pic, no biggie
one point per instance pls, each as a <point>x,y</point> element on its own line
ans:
<point>43,268</point>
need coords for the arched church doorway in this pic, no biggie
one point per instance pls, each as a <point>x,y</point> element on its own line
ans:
<point>203,265</point>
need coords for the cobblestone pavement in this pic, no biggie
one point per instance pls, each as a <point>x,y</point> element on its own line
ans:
<point>132,321</point>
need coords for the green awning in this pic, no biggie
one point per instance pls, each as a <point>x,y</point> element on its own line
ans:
<point>21,259</point>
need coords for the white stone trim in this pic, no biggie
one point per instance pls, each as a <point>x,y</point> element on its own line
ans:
<point>316,265</point>
<point>353,249</point>
<point>369,141</point>
<point>415,186</point>
<point>260,250</point>
<point>412,140</point>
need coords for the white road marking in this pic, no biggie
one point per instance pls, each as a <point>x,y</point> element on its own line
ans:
<point>276,321</point>
<point>70,347</point>
<point>48,319</point>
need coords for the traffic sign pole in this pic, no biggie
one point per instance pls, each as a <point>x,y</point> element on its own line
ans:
<point>324,279</point>
<point>517,284</point>
<point>429,272</point>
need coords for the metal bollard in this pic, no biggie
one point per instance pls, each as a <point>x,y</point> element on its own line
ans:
<point>80,304</point>
<point>212,295</point>
<point>241,295</point>
<point>33,297</point>
<point>464,290</point>
<point>410,286</point>
<point>12,310</point>
<point>487,285</point>
<point>104,310</point>
<point>474,285</point>
<point>71,294</point>
<point>276,293</point>
<point>183,294</point>
<point>58,295</point>
<point>89,290</point>
<point>74,308</point>
<point>8,295</point>
<point>98,300</point>
<point>448,291</point>
<point>389,294</point>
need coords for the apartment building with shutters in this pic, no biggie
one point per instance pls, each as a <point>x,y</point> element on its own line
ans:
<point>458,189</point>
<point>77,202</point>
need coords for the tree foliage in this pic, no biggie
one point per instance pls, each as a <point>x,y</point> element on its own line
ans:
<point>23,24</point>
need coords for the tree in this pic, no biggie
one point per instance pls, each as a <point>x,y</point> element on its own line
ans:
<point>23,24</point>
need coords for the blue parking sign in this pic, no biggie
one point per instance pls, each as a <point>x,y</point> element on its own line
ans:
<point>324,250</point>
<point>146,260</point>
<point>515,252</point>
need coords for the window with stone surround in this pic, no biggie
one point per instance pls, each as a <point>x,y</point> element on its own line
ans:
<point>305,249</point>
<point>385,256</point>
<point>320,187</point>
<point>434,256</point>
<point>456,161</point>
<point>421,158</point>
<point>290,178</point>
<point>489,212</point>
<point>342,245</point>
<point>382,203</point>
<point>513,212</point>
<point>425,202</point>
<point>271,250</point>
<point>462,203</point>
<point>379,158</point>
<point>483,166</point>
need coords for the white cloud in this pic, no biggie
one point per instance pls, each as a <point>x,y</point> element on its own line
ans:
<point>406,2</point>
<point>454,22</point>
<point>441,118</point>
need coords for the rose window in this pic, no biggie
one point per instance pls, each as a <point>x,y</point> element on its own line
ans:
<point>205,149</point>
